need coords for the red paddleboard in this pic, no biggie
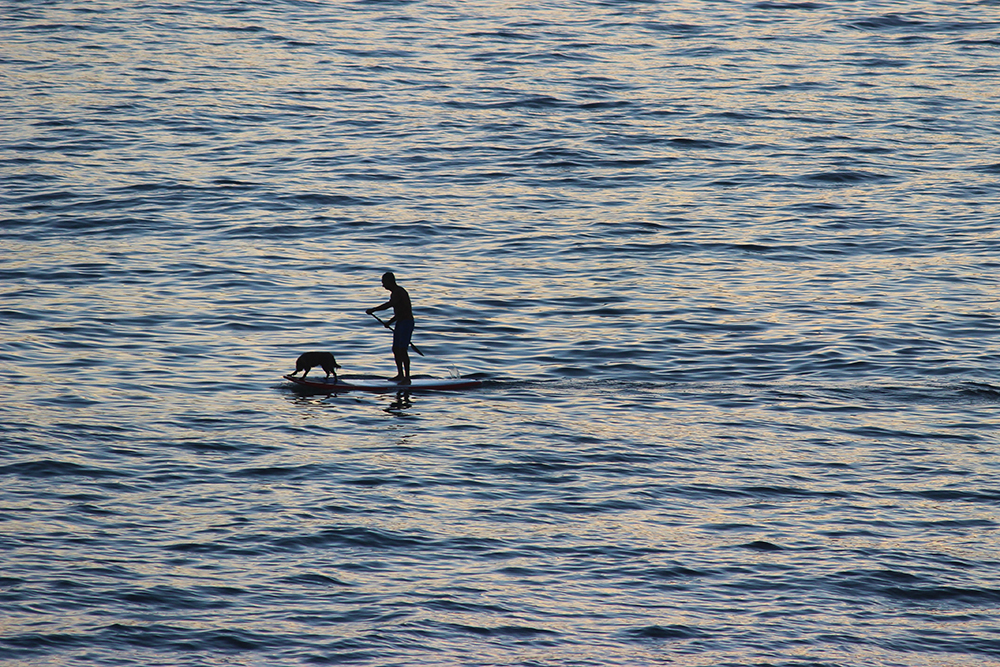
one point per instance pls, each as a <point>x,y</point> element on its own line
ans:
<point>382,386</point>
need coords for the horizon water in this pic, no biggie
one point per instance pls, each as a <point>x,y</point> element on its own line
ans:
<point>727,271</point>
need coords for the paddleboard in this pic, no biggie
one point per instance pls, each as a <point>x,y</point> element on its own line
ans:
<point>382,386</point>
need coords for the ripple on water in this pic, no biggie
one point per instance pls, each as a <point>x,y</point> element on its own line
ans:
<point>733,313</point>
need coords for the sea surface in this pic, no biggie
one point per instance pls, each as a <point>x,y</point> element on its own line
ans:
<point>727,271</point>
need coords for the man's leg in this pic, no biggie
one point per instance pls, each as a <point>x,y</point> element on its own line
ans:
<point>400,345</point>
<point>398,357</point>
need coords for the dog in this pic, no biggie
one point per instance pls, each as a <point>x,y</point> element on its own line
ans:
<point>307,360</point>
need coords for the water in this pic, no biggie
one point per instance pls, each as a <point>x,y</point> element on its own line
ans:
<point>726,269</point>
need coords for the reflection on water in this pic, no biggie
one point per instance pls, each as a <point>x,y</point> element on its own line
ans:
<point>725,270</point>
<point>401,403</point>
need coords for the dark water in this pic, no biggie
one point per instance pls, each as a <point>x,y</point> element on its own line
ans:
<point>727,269</point>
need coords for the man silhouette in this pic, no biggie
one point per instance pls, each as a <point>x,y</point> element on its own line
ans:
<point>402,315</point>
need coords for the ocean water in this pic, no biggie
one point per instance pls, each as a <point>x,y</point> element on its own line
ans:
<point>726,269</point>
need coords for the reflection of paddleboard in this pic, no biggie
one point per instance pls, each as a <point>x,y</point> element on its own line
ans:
<point>383,386</point>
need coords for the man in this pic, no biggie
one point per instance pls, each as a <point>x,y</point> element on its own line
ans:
<point>403,318</point>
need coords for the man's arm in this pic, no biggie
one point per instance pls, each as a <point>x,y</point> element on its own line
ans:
<point>371,311</point>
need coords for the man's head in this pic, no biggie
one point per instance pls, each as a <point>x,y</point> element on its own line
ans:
<point>388,280</point>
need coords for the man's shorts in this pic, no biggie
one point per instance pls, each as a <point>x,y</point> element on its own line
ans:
<point>401,335</point>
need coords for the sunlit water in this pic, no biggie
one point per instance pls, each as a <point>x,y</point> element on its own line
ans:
<point>727,270</point>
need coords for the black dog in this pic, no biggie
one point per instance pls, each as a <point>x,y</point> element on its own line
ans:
<point>307,360</point>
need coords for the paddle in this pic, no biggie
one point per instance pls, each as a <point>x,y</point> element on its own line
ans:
<point>415,348</point>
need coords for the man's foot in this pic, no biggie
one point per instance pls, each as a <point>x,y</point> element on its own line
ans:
<point>401,379</point>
